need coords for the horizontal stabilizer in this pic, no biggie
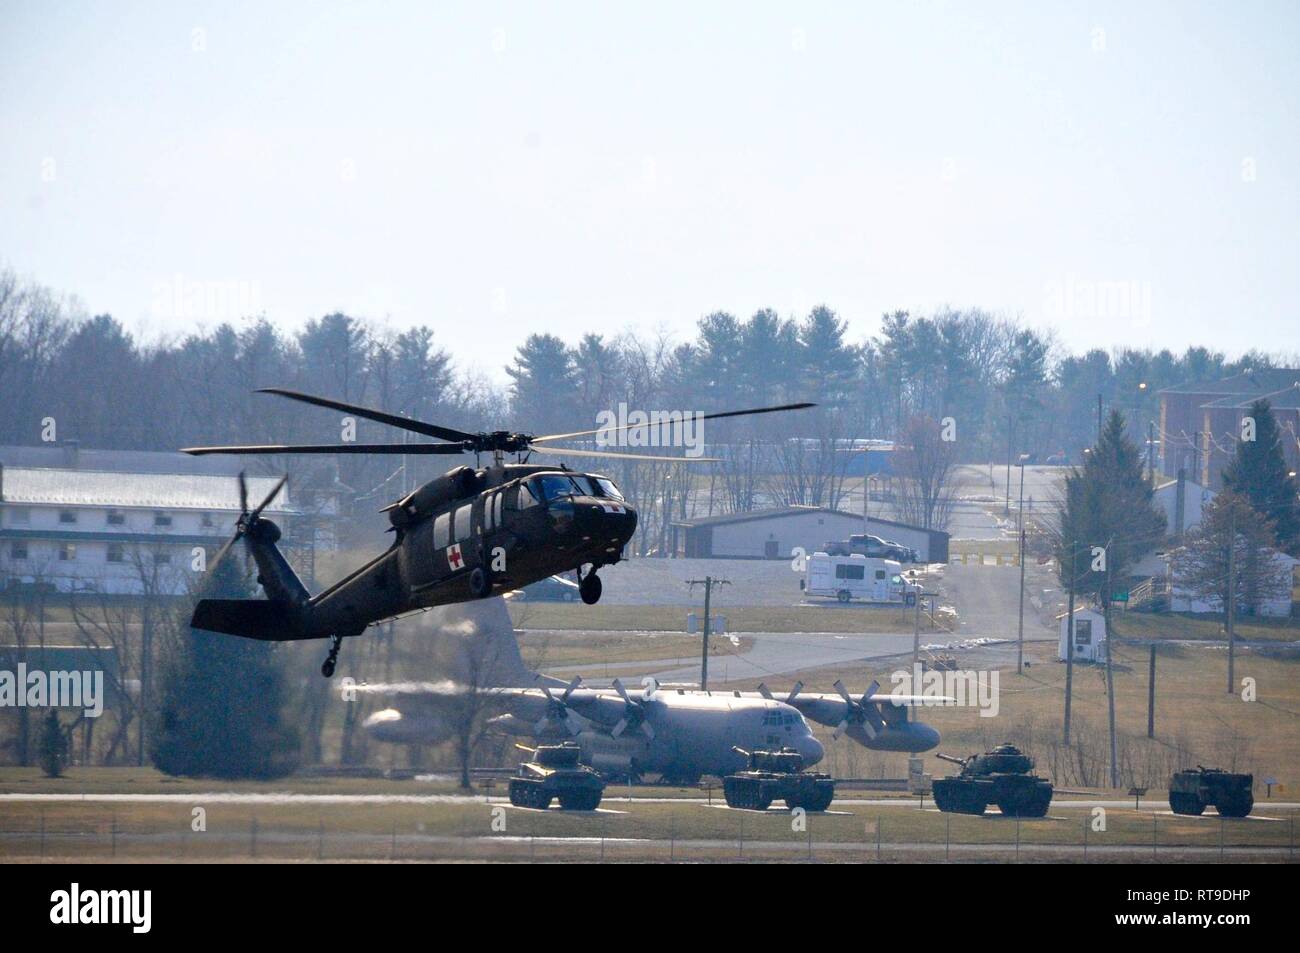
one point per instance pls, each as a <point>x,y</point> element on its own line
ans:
<point>251,618</point>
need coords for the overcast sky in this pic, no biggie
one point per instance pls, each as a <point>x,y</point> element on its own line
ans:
<point>1126,173</point>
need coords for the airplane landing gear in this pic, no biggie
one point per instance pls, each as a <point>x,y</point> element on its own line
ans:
<point>327,668</point>
<point>589,587</point>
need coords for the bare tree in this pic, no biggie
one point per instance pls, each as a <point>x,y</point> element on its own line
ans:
<point>923,464</point>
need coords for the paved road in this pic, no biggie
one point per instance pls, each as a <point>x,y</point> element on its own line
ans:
<point>1152,806</point>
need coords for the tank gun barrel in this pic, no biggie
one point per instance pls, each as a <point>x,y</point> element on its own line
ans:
<point>952,759</point>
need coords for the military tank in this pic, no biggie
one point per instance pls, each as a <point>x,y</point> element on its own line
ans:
<point>1002,777</point>
<point>552,772</point>
<point>777,775</point>
<point>1191,790</point>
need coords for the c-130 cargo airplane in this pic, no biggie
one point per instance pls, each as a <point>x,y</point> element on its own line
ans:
<point>675,733</point>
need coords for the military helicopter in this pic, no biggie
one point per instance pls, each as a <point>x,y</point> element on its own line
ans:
<point>462,536</point>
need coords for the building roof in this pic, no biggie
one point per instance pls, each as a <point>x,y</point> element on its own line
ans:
<point>877,521</point>
<point>162,491</point>
<point>1258,382</point>
<point>775,512</point>
<point>1288,397</point>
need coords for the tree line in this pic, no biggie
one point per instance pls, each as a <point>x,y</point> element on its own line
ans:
<point>1009,389</point>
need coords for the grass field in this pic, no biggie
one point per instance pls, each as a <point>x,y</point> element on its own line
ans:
<point>543,650</point>
<point>1196,720</point>
<point>1181,625</point>
<point>621,830</point>
<point>829,617</point>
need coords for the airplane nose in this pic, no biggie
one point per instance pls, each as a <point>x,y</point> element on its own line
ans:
<point>811,749</point>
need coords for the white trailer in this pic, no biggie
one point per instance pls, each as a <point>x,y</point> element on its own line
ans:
<point>858,577</point>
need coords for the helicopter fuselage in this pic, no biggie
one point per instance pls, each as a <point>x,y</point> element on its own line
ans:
<point>465,535</point>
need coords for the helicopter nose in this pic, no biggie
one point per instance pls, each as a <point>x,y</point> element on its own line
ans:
<point>608,519</point>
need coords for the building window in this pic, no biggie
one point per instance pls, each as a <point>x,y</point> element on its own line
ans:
<point>207,520</point>
<point>115,553</point>
<point>19,515</point>
<point>116,518</point>
<point>162,519</point>
<point>18,550</point>
<point>67,516</point>
<point>162,559</point>
<point>67,552</point>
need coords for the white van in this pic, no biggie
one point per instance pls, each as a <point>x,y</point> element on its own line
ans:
<point>858,577</point>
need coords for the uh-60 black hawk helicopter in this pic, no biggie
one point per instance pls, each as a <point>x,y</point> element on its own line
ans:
<point>461,536</point>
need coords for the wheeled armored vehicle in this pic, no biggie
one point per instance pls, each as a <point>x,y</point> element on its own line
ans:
<point>1191,790</point>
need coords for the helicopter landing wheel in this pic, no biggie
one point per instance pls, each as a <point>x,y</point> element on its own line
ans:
<point>327,667</point>
<point>480,586</point>
<point>590,588</point>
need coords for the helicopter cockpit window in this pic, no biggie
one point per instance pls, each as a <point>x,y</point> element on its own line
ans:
<point>524,497</point>
<point>607,488</point>
<point>555,487</point>
<point>584,485</point>
<point>440,530</point>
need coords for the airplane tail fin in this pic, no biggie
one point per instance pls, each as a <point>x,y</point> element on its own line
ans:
<point>475,643</point>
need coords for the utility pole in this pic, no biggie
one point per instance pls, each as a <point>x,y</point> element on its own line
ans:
<point>921,595</point>
<point>708,582</point>
<point>1020,633</point>
<point>1232,594</point>
<point>1110,671</point>
<point>1069,642</point>
<point>1006,510</point>
<point>1151,694</point>
<point>1151,451</point>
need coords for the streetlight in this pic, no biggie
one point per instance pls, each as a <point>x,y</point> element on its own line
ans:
<point>1020,637</point>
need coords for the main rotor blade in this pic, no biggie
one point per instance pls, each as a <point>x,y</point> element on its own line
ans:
<point>665,423</point>
<point>414,449</point>
<point>610,455</point>
<point>402,423</point>
<point>275,491</point>
<point>243,494</point>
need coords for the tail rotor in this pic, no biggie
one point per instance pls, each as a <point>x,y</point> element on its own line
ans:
<point>249,522</point>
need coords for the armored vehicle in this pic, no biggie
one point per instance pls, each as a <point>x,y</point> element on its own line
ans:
<point>777,775</point>
<point>1191,790</point>
<point>553,771</point>
<point>1002,777</point>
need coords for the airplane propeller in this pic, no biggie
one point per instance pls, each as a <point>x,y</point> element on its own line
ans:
<point>557,709</point>
<point>789,699</point>
<point>248,521</point>
<point>633,714</point>
<point>864,713</point>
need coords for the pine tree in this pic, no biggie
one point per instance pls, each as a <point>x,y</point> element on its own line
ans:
<point>1259,472</point>
<point>222,701</point>
<point>1231,525</point>
<point>54,745</point>
<point>1108,504</point>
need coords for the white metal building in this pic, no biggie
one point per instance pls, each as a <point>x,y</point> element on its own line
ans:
<point>762,534</point>
<point>1089,635</point>
<point>115,532</point>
